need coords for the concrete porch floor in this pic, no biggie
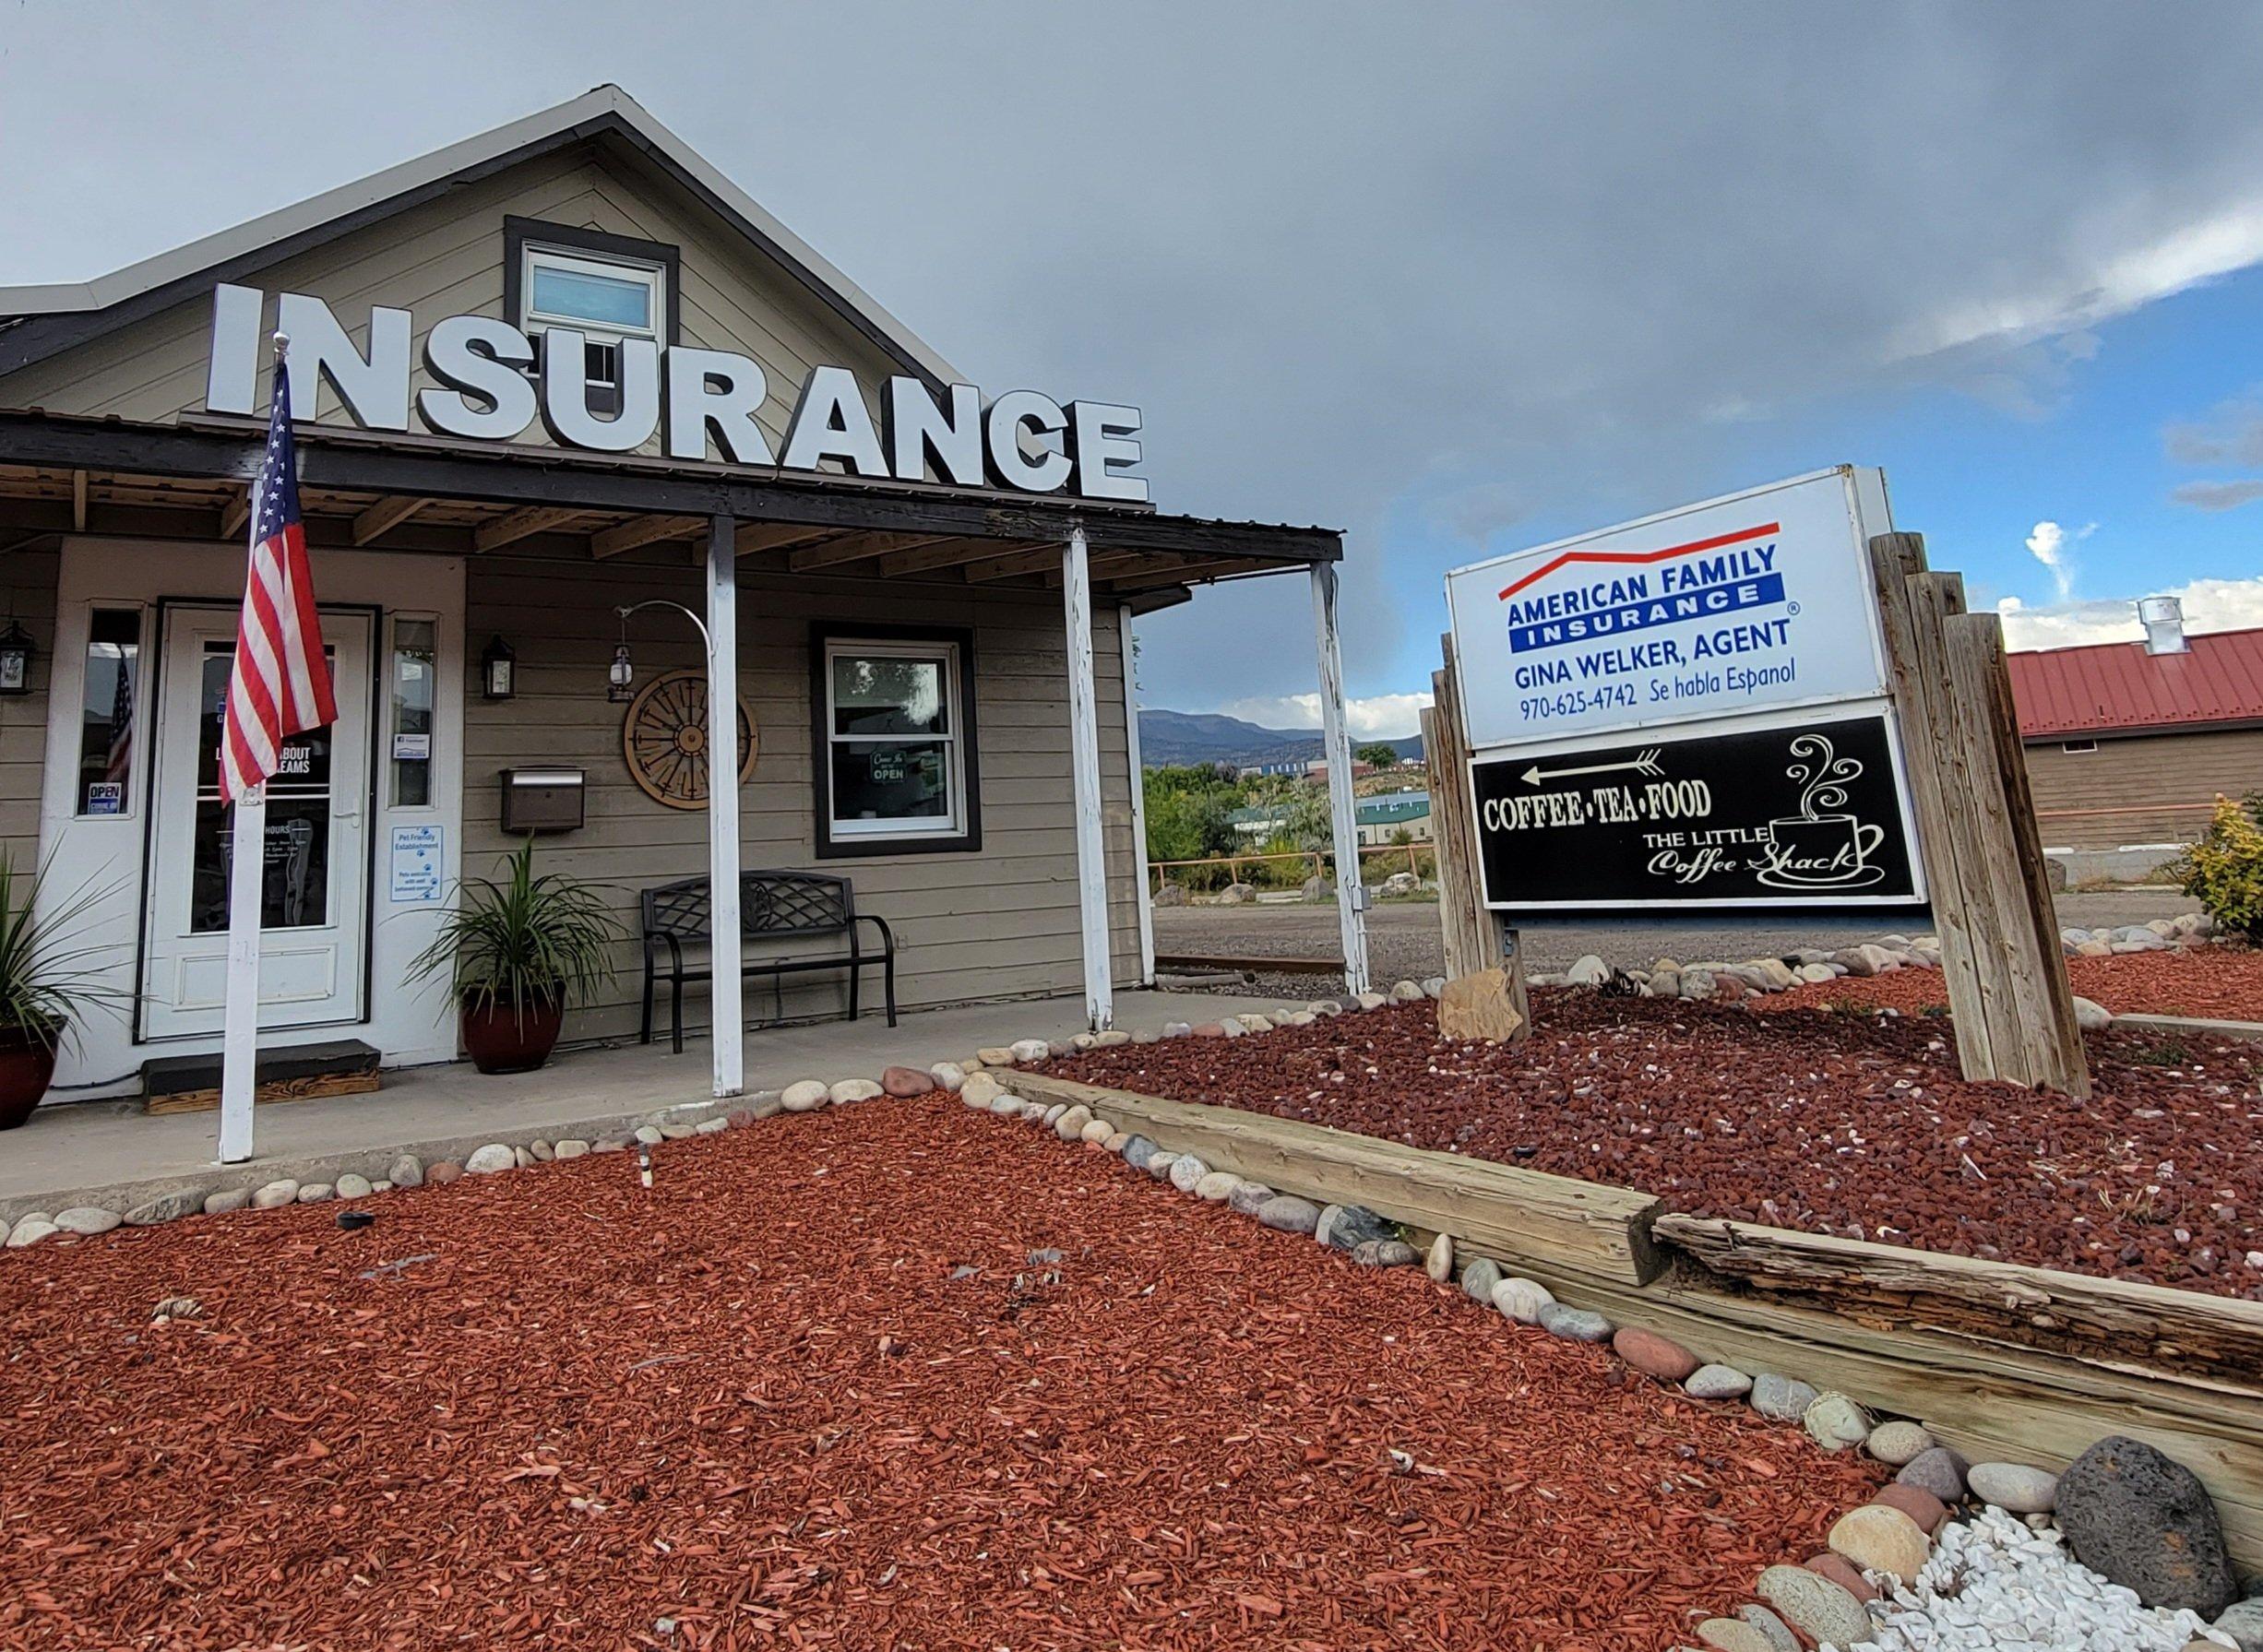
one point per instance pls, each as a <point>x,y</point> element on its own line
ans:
<point>111,1154</point>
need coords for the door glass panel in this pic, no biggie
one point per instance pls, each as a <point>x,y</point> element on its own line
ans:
<point>296,888</point>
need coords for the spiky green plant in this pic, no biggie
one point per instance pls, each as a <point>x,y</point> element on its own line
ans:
<point>48,981</point>
<point>525,942</point>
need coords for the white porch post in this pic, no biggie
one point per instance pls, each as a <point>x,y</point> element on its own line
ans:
<point>1139,797</point>
<point>1084,766</point>
<point>239,1059</point>
<point>723,803</point>
<point>1335,750</point>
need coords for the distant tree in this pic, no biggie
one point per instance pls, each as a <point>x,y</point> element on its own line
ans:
<point>1377,754</point>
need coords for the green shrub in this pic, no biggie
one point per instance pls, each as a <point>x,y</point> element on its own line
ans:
<point>2224,871</point>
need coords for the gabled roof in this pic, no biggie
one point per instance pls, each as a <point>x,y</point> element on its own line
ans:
<point>40,321</point>
<point>2118,688</point>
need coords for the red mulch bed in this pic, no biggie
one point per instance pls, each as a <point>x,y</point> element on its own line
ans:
<point>2223,983</point>
<point>756,1401</point>
<point>1857,1125</point>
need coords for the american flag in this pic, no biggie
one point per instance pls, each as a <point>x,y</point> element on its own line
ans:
<point>281,685</point>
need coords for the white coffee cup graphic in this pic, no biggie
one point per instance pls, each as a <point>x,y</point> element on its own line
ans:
<point>1822,847</point>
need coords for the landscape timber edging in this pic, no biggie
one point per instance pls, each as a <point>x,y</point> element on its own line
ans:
<point>1601,1231</point>
<point>1991,1399</point>
<point>2198,1025</point>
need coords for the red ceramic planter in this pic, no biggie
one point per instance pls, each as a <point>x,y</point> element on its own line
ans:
<point>27,1067</point>
<point>505,1037</point>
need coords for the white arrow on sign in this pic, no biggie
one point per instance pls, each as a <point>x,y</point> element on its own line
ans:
<point>1646,764</point>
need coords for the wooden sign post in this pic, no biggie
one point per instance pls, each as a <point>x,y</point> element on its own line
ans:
<point>1475,941</point>
<point>2008,996</point>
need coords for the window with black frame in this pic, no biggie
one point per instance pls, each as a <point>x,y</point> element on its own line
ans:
<point>895,752</point>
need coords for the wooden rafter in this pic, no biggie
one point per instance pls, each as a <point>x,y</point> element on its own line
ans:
<point>944,553</point>
<point>779,536</point>
<point>239,512</point>
<point>513,526</point>
<point>386,514</point>
<point>78,502</point>
<point>643,530</point>
<point>1190,570</point>
<point>1014,563</point>
<point>857,547</point>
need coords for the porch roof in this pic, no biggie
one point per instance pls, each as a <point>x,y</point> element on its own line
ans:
<point>67,473</point>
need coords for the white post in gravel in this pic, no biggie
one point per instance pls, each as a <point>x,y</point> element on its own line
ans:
<point>1336,750</point>
<point>1139,795</point>
<point>723,995</point>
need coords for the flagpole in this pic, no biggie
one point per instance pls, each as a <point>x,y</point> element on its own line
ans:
<point>248,877</point>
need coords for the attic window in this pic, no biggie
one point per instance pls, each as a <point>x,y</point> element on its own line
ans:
<point>607,287</point>
<point>2078,746</point>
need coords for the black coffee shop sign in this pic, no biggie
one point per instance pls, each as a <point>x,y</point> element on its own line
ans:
<point>1805,813</point>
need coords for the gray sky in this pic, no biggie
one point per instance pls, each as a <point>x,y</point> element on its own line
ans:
<point>1439,276</point>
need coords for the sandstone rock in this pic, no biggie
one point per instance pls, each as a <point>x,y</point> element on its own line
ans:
<point>1772,1628</point>
<point>1097,1130</point>
<point>1878,1537</point>
<point>2014,1487</point>
<point>541,1152</point>
<point>1068,1124</point>
<point>1939,1472</point>
<point>522,1159</point>
<point>1731,1634</point>
<point>1919,1505</point>
<point>166,1207</point>
<point>677,1129</point>
<point>317,1193</point>
<point>1477,1006</point>
<point>2092,1016</point>
<point>1114,1038</point>
<point>448,1171</point>
<point>572,1147</point>
<point>1289,1214</point>
<point>947,1076</point>
<point>1406,992</point>
<point>1249,1197</point>
<point>1115,1143</point>
<point>1781,1398</point>
<point>1575,1324</point>
<point>906,1082</point>
<point>276,1195</point>
<point>1836,1422</point>
<point>1717,1381</point>
<point>649,1135</point>
<point>980,1090</point>
<point>1844,1573</point>
<point>804,1095</point>
<point>845,1090</point>
<point>1217,1187</point>
<point>407,1171</point>
<point>1160,1163</point>
<point>1370,1001</point>
<point>1385,1252</point>
<point>1815,1605</point>
<point>2144,1520</point>
<point>994,1056</point>
<point>1026,1050</point>
<point>1186,1170</point>
<point>1898,1442</point>
<point>1439,1263</point>
<point>1659,1357</point>
<point>1521,1299</point>
<point>226,1200</point>
<point>86,1219</point>
<point>487,1160</point>
<point>1589,971</point>
<point>29,1229</point>
<point>351,1186</point>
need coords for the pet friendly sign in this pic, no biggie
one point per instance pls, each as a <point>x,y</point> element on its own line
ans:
<point>1805,814</point>
<point>1757,602</point>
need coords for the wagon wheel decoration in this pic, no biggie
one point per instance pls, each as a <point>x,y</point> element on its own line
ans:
<point>664,738</point>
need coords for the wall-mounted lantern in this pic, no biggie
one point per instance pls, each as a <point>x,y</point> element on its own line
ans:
<point>499,671</point>
<point>15,659</point>
<point>619,679</point>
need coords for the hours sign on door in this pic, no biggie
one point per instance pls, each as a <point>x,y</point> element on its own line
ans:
<point>1756,601</point>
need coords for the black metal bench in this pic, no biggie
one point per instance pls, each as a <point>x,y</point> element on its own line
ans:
<point>773,905</point>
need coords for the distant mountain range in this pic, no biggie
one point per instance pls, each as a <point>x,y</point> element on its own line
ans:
<point>1167,737</point>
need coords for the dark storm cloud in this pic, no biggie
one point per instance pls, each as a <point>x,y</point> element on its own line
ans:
<point>1358,264</point>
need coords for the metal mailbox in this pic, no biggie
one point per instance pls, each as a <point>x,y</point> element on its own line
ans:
<point>542,800</point>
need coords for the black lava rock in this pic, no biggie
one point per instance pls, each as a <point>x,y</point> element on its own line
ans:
<point>2145,1521</point>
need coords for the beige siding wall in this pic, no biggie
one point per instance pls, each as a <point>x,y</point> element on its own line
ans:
<point>1000,922</point>
<point>445,259</point>
<point>2144,788</point>
<point>28,586</point>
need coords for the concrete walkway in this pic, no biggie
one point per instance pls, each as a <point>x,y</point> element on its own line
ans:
<point>113,1155</point>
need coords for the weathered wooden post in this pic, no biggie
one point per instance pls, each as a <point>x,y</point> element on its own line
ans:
<point>1475,942</point>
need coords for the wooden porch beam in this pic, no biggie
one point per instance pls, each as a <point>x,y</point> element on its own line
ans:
<point>1045,559</point>
<point>944,553</point>
<point>522,523</point>
<point>78,502</point>
<point>384,516</point>
<point>1197,568</point>
<point>779,536</point>
<point>643,530</point>
<point>239,512</point>
<point>858,547</point>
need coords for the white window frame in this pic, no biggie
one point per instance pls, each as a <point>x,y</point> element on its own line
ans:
<point>918,829</point>
<point>536,256</point>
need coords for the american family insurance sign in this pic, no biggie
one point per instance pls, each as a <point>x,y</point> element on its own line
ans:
<point>1757,602</point>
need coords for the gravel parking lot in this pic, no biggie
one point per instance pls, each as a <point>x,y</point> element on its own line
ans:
<point>1403,943</point>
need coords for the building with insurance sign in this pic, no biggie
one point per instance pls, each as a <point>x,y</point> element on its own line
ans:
<point>556,372</point>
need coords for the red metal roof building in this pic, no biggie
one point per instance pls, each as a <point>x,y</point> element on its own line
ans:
<point>2128,745</point>
<point>2119,688</point>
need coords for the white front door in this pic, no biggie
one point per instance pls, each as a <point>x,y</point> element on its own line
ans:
<point>315,905</point>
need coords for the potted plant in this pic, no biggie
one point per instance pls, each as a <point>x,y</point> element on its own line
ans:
<point>515,953</point>
<point>44,986</point>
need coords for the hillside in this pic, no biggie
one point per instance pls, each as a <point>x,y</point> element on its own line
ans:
<point>1169,737</point>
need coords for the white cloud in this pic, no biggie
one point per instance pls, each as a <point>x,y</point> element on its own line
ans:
<point>1377,717</point>
<point>2047,545</point>
<point>2210,605</point>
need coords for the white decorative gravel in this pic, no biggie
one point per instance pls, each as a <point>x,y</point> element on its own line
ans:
<point>1994,1584</point>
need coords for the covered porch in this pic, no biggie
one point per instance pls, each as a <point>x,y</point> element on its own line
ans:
<point>551,543</point>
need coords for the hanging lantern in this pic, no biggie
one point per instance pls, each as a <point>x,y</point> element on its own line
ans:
<point>15,659</point>
<point>621,677</point>
<point>499,671</point>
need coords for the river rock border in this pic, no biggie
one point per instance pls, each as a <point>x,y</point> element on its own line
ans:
<point>2126,1547</point>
